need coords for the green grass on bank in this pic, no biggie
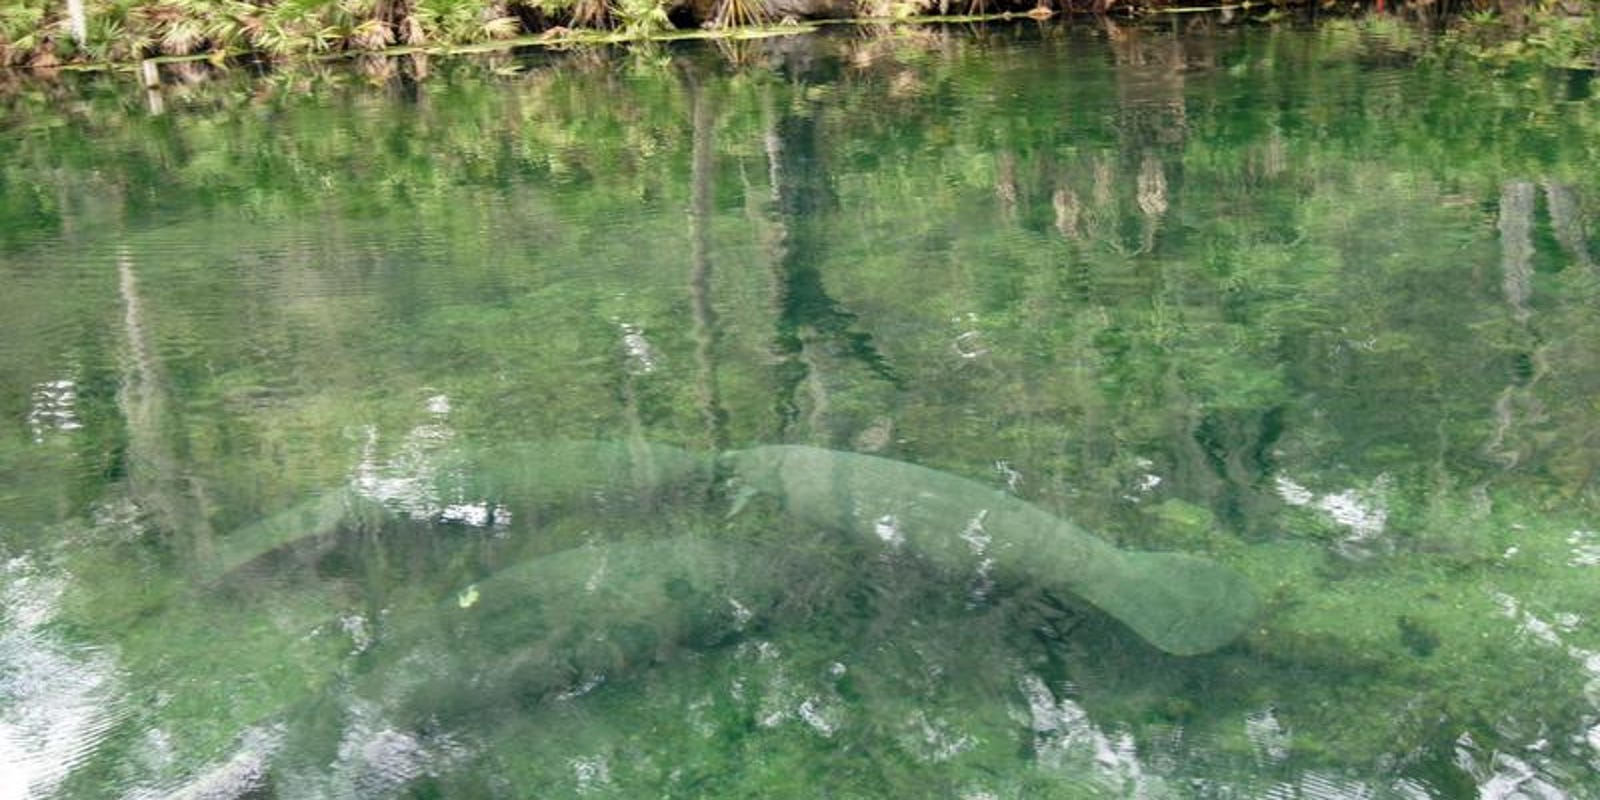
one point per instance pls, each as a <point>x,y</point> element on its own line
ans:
<point>53,33</point>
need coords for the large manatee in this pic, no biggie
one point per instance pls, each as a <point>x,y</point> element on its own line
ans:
<point>1183,604</point>
<point>529,638</point>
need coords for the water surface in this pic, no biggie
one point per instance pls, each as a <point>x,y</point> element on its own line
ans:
<point>1317,304</point>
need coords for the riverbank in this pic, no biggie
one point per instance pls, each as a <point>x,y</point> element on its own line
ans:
<point>54,33</point>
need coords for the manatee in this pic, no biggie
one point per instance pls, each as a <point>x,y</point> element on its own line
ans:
<point>321,516</point>
<point>557,623</point>
<point>1182,604</point>
<point>606,474</point>
<point>526,477</point>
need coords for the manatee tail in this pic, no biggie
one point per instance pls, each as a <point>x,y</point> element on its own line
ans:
<point>1183,604</point>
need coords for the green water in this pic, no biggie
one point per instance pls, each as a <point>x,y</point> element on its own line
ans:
<point>299,373</point>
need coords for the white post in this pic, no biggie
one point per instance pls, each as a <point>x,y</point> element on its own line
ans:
<point>77,21</point>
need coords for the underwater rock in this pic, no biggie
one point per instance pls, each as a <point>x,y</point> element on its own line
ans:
<point>1182,604</point>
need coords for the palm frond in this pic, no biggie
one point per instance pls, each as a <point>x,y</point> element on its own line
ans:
<point>741,13</point>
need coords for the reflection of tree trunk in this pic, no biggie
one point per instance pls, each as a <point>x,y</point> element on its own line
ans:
<point>1102,221</point>
<point>705,320</point>
<point>1516,246</point>
<point>1005,185</point>
<point>787,365</point>
<point>1516,265</point>
<point>150,72</point>
<point>1566,218</point>
<point>1577,458</point>
<point>1514,14</point>
<point>1152,195</point>
<point>813,329</point>
<point>154,471</point>
<point>413,80</point>
<point>1152,118</point>
<point>141,397</point>
<point>65,209</point>
<point>1222,455</point>
<point>1068,211</point>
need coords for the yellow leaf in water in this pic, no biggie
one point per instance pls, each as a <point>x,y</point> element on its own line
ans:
<point>468,596</point>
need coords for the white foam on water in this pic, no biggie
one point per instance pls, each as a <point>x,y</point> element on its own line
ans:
<point>591,772</point>
<point>974,534</point>
<point>588,685</point>
<point>57,700</point>
<point>409,481</point>
<point>242,772</point>
<point>53,408</point>
<point>1319,785</point>
<point>937,739</point>
<point>978,541</point>
<point>1010,474</point>
<point>374,759</point>
<point>1361,512</point>
<point>778,698</point>
<point>1316,786</point>
<point>821,717</point>
<point>1585,549</point>
<point>597,577</point>
<point>1293,493</point>
<point>1065,737</point>
<point>641,356</point>
<point>1503,776</point>
<point>1365,519</point>
<point>359,630</point>
<point>775,697</point>
<point>969,345</point>
<point>1546,633</point>
<point>1146,482</point>
<point>1267,735</point>
<point>887,527</point>
<point>741,613</point>
<point>478,515</point>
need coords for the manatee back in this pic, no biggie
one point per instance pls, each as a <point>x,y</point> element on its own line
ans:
<point>1180,603</point>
